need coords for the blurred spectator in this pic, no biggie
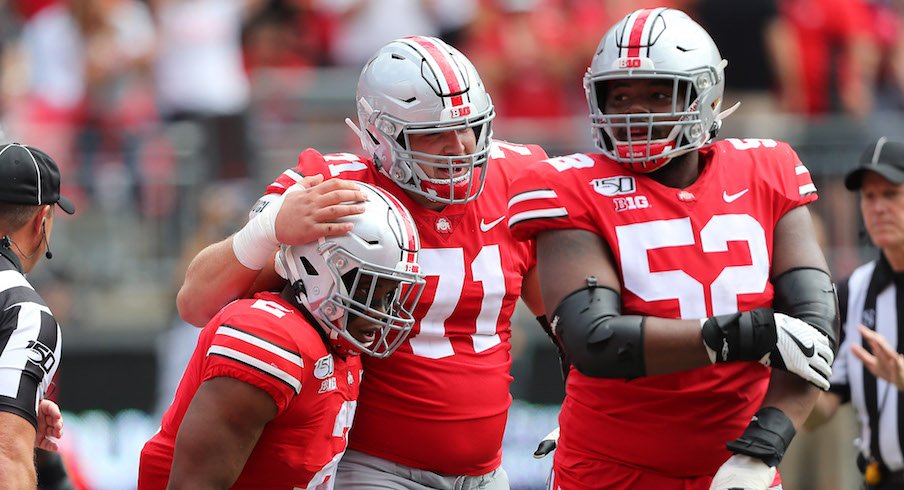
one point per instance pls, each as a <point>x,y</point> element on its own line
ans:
<point>363,24</point>
<point>200,78</point>
<point>521,47</point>
<point>119,45</point>
<point>287,34</point>
<point>837,57</point>
<point>53,97</point>
<point>886,27</point>
<point>758,44</point>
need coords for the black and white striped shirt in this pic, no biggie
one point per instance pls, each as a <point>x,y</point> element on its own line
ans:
<point>29,341</point>
<point>872,296</point>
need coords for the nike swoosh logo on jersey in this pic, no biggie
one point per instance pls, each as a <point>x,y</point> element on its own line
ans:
<point>807,351</point>
<point>733,197</point>
<point>485,227</point>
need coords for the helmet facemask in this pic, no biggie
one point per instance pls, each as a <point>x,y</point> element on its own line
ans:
<point>381,296</point>
<point>406,165</point>
<point>420,85</point>
<point>657,44</point>
<point>618,137</point>
<point>368,275</point>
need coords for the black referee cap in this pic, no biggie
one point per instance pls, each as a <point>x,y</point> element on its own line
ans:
<point>883,157</point>
<point>30,176</point>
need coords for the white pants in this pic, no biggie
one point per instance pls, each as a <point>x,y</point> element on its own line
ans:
<point>363,471</point>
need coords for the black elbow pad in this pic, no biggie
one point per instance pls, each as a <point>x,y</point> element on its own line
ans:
<point>597,339</point>
<point>809,295</point>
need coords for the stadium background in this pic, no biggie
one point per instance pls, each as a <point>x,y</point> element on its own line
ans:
<point>152,191</point>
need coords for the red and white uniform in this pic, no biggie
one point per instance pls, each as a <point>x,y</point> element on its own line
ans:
<point>680,253</point>
<point>266,342</point>
<point>440,402</point>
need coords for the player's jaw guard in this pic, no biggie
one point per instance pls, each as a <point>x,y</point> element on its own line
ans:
<point>598,340</point>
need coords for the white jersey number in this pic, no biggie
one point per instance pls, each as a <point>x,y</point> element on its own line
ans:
<point>448,265</point>
<point>636,240</point>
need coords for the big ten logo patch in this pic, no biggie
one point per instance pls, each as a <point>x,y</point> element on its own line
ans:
<point>463,111</point>
<point>630,202</point>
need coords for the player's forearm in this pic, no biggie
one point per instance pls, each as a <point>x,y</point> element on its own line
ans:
<point>213,279</point>
<point>673,345</point>
<point>792,395</point>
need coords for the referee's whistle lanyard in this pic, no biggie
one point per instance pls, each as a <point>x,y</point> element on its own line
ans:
<point>872,472</point>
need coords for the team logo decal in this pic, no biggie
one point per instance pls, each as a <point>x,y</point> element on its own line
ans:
<point>614,186</point>
<point>443,225</point>
<point>323,368</point>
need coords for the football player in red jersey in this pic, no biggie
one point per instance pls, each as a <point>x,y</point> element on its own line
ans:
<point>270,392</point>
<point>433,414</point>
<point>676,271</point>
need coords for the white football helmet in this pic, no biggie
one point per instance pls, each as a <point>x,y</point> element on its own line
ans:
<point>657,43</point>
<point>418,85</point>
<point>335,278</point>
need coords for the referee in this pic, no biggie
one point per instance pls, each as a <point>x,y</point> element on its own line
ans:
<point>29,335</point>
<point>870,301</point>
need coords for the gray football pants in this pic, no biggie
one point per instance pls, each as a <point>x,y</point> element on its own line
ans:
<point>359,471</point>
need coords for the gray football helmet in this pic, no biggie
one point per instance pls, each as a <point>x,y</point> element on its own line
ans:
<point>657,43</point>
<point>337,278</point>
<point>420,85</point>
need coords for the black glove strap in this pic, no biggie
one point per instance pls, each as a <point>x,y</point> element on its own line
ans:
<point>746,336</point>
<point>766,438</point>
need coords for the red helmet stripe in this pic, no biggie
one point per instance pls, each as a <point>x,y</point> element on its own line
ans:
<point>637,32</point>
<point>440,59</point>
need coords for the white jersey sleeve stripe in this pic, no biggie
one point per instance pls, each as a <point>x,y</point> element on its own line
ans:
<point>801,169</point>
<point>537,213</point>
<point>262,343</point>
<point>532,195</point>
<point>254,362</point>
<point>807,189</point>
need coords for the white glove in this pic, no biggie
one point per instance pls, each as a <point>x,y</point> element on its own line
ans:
<point>548,444</point>
<point>801,349</point>
<point>742,472</point>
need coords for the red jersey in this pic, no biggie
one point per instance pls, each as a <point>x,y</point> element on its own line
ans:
<point>440,402</point>
<point>269,344</point>
<point>680,253</point>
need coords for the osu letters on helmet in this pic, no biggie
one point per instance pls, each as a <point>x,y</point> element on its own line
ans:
<point>660,44</point>
<point>336,278</point>
<point>418,85</point>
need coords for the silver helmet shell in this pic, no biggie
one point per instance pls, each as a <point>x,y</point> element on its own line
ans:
<point>657,43</point>
<point>421,85</point>
<point>329,275</point>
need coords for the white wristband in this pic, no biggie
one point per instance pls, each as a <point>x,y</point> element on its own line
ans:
<point>255,242</point>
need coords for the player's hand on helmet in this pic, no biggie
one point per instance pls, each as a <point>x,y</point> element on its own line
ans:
<point>742,472</point>
<point>311,208</point>
<point>548,444</point>
<point>803,350</point>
